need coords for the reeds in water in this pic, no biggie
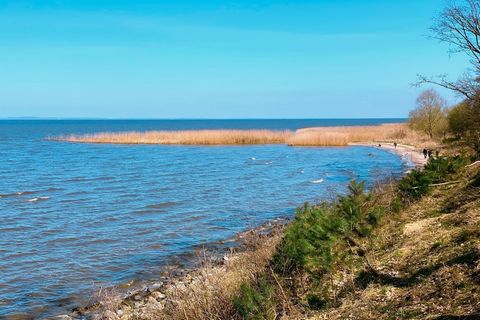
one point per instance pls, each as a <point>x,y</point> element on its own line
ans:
<point>317,136</point>
<point>187,137</point>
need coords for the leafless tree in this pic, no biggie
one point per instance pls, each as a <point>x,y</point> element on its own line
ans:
<point>429,116</point>
<point>459,26</point>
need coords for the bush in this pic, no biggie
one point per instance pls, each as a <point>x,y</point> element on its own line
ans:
<point>256,302</point>
<point>320,238</point>
<point>417,183</point>
<point>414,185</point>
<point>315,302</point>
<point>464,123</point>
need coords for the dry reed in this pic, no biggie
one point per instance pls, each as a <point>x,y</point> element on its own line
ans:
<point>187,137</point>
<point>342,136</point>
<point>318,136</point>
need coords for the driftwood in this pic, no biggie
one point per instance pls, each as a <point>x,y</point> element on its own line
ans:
<point>441,184</point>
<point>473,164</point>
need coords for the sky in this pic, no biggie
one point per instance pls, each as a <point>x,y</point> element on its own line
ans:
<point>218,58</point>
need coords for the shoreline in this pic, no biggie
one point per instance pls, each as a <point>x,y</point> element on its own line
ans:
<point>402,150</point>
<point>137,293</point>
<point>217,257</point>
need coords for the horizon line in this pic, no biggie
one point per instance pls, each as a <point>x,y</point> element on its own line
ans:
<point>194,119</point>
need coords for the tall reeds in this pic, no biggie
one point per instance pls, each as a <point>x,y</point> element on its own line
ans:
<point>318,136</point>
<point>187,137</point>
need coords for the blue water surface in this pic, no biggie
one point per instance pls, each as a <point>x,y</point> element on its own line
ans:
<point>74,217</point>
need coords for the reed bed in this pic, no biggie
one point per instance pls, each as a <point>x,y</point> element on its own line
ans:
<point>317,136</point>
<point>343,136</point>
<point>187,137</point>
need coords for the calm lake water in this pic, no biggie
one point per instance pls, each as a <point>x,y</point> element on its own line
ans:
<point>78,216</point>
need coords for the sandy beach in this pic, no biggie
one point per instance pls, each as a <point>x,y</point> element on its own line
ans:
<point>406,152</point>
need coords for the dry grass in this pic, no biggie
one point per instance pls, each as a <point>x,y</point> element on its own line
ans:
<point>204,295</point>
<point>319,136</point>
<point>428,261</point>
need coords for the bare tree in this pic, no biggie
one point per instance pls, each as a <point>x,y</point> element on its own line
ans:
<point>459,26</point>
<point>429,116</point>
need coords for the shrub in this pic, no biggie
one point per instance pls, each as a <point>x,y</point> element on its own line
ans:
<point>417,183</point>
<point>464,123</point>
<point>255,302</point>
<point>321,238</point>
<point>414,185</point>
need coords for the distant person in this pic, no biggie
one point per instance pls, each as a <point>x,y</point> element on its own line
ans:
<point>429,153</point>
<point>437,153</point>
<point>395,145</point>
<point>425,153</point>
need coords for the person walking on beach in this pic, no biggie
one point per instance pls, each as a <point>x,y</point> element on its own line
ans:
<point>429,153</point>
<point>425,153</point>
<point>395,145</point>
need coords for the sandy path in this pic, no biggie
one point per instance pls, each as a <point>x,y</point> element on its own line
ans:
<point>404,151</point>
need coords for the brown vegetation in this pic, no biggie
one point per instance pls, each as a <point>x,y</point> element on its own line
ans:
<point>320,136</point>
<point>205,294</point>
<point>187,137</point>
<point>342,136</point>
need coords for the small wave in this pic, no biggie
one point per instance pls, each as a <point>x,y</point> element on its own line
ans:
<point>38,199</point>
<point>85,179</point>
<point>16,194</point>
<point>76,179</point>
<point>53,189</point>
<point>162,205</point>
<point>148,211</point>
<point>76,193</point>
<point>317,181</point>
<point>253,158</point>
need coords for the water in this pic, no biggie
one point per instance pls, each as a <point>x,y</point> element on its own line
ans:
<point>78,216</point>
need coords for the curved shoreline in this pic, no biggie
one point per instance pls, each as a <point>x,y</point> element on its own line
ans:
<point>143,291</point>
<point>134,295</point>
<point>404,151</point>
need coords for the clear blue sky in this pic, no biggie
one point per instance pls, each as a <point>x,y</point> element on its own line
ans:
<point>217,58</point>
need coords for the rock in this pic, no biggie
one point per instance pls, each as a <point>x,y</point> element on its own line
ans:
<point>181,286</point>
<point>120,312</point>
<point>110,315</point>
<point>152,300</point>
<point>158,295</point>
<point>62,317</point>
<point>155,286</point>
<point>137,297</point>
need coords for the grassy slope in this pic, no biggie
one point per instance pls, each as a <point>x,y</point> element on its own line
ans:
<point>427,259</point>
